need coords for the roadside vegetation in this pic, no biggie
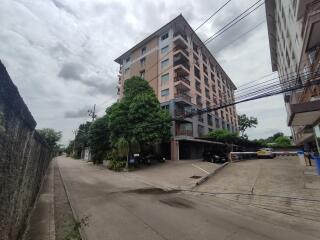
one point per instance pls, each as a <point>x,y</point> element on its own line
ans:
<point>135,124</point>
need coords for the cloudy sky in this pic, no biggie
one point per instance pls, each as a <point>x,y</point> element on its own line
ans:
<point>60,53</point>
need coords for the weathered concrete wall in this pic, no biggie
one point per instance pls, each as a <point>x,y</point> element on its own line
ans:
<point>24,158</point>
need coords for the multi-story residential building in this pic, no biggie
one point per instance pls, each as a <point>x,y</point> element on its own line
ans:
<point>294,37</point>
<point>185,77</point>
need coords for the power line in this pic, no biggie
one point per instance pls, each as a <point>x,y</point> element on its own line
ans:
<point>240,36</point>
<point>262,95</point>
<point>212,15</point>
<point>219,33</point>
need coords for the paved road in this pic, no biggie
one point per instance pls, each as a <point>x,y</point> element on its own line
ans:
<point>121,207</point>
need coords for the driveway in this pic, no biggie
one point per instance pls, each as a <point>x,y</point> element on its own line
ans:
<point>278,184</point>
<point>120,206</point>
<point>175,174</point>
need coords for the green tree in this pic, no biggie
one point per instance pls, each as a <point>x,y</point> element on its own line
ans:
<point>246,122</point>
<point>222,135</point>
<point>51,136</point>
<point>282,141</point>
<point>99,139</point>
<point>138,115</point>
<point>82,139</point>
<point>123,148</point>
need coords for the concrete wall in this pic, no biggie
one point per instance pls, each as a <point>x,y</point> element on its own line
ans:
<point>24,158</point>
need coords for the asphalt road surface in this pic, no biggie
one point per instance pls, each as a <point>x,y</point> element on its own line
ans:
<point>118,206</point>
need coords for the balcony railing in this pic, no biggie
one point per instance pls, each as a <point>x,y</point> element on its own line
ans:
<point>183,79</point>
<point>181,35</point>
<point>185,51</point>
<point>184,132</point>
<point>180,59</point>
<point>183,96</point>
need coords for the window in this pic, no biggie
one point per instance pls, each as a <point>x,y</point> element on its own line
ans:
<point>143,50</point>
<point>206,81</point>
<point>207,93</point>
<point>164,79</point>
<point>165,92</point>
<point>164,36</point>
<point>142,62</point>
<point>198,86</point>
<point>200,131</point>
<point>126,71</point>
<point>210,121</point>
<point>142,73</point>
<point>164,63</point>
<point>197,72</point>
<point>164,49</point>
<point>217,123</point>
<point>166,107</point>
<point>128,59</point>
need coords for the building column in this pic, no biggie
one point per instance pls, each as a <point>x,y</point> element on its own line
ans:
<point>174,145</point>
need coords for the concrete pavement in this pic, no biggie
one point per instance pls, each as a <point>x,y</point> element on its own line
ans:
<point>280,184</point>
<point>120,206</point>
<point>41,224</point>
<point>175,174</point>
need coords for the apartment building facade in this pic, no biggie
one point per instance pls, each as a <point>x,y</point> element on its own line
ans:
<point>294,37</point>
<point>185,77</point>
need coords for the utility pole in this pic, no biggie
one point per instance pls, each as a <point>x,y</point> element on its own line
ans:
<point>75,132</point>
<point>92,113</point>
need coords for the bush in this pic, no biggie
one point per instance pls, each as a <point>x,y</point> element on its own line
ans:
<point>116,165</point>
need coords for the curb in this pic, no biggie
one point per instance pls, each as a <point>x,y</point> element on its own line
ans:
<point>205,178</point>
<point>75,216</point>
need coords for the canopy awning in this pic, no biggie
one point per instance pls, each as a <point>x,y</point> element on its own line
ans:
<point>302,114</point>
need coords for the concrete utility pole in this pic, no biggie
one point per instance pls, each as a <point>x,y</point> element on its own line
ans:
<point>92,113</point>
<point>75,132</point>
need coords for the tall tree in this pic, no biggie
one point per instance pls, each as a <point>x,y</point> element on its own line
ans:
<point>99,139</point>
<point>82,138</point>
<point>51,136</point>
<point>246,122</point>
<point>138,115</point>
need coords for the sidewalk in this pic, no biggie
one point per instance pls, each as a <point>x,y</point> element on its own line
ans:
<point>41,225</point>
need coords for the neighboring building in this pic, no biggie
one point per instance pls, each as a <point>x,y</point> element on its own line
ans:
<point>185,76</point>
<point>294,36</point>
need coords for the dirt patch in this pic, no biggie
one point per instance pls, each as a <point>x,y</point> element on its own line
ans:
<point>153,191</point>
<point>178,202</point>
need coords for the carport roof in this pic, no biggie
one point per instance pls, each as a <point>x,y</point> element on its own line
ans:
<point>199,140</point>
<point>304,113</point>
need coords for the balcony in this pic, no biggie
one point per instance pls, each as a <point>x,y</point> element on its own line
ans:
<point>182,50</point>
<point>180,39</point>
<point>184,129</point>
<point>184,132</point>
<point>199,103</point>
<point>182,79</point>
<point>183,96</point>
<point>181,64</point>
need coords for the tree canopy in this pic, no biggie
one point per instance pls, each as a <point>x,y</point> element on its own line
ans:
<point>222,135</point>
<point>51,136</point>
<point>98,139</point>
<point>82,138</point>
<point>246,122</point>
<point>138,115</point>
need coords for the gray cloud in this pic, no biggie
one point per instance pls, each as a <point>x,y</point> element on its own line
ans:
<point>95,85</point>
<point>62,6</point>
<point>71,71</point>
<point>79,113</point>
<point>64,50</point>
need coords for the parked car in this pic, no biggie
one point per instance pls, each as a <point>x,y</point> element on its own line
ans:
<point>214,157</point>
<point>266,153</point>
